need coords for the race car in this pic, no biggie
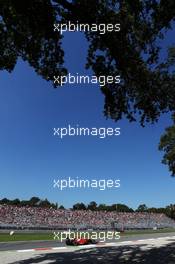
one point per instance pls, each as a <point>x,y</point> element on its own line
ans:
<point>79,241</point>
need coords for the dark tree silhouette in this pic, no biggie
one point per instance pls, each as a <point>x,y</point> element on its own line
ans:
<point>79,206</point>
<point>26,31</point>
<point>167,144</point>
<point>147,87</point>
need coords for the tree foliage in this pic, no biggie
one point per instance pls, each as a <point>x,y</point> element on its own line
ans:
<point>79,206</point>
<point>26,31</point>
<point>146,88</point>
<point>33,202</point>
<point>167,144</point>
<point>142,208</point>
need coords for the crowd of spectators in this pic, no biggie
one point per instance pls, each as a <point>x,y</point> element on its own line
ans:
<point>35,217</point>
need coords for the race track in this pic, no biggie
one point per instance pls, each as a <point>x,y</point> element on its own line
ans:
<point>147,249</point>
<point>49,244</point>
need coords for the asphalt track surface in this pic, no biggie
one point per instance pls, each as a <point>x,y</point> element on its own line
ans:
<point>9,246</point>
<point>144,249</point>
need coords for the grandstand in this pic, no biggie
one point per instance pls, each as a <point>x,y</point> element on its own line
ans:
<point>32,218</point>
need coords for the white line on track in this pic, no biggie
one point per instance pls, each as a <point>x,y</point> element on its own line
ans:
<point>127,241</point>
<point>58,248</point>
<point>111,243</point>
<point>87,246</point>
<point>25,250</point>
<point>93,246</point>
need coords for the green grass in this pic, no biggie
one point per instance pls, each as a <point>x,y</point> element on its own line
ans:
<point>149,231</point>
<point>5,237</point>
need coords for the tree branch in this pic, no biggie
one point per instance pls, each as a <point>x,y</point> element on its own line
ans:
<point>65,4</point>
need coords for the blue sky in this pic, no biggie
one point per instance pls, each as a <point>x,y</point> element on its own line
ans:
<point>31,157</point>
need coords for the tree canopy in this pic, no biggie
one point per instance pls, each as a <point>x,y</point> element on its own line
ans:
<point>167,144</point>
<point>147,86</point>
